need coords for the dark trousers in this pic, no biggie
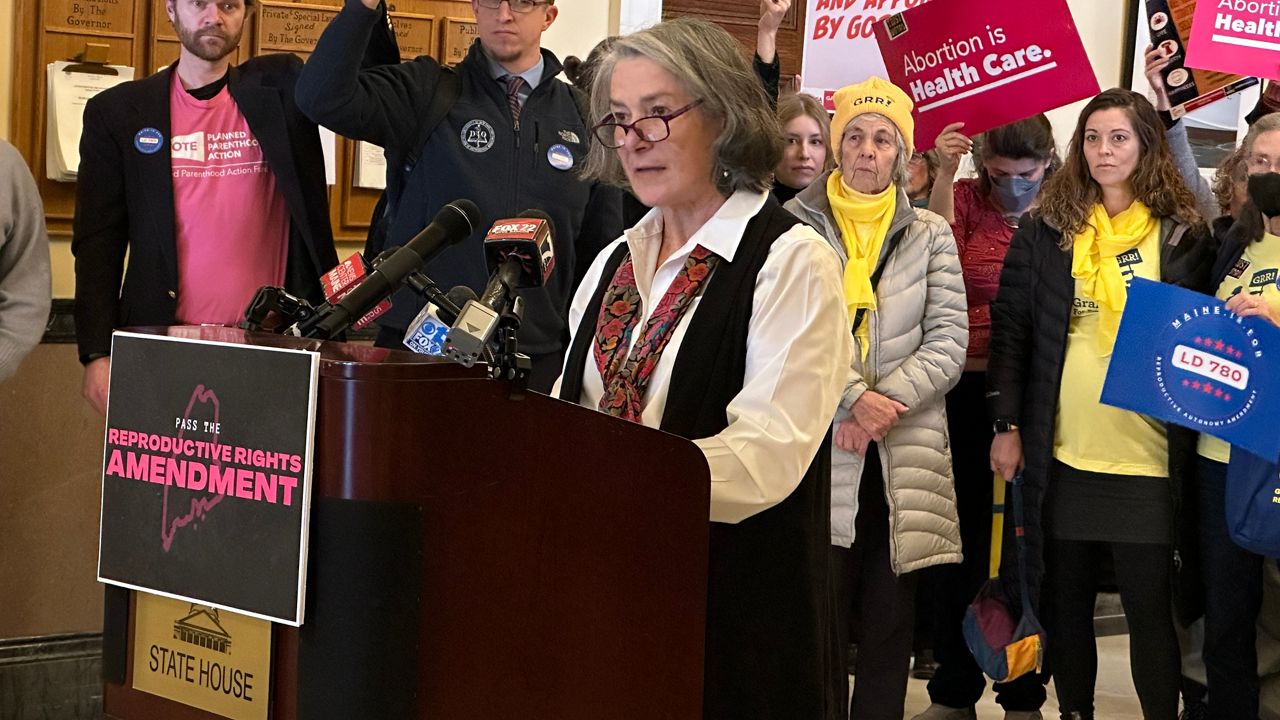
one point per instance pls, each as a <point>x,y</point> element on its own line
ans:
<point>1142,572</point>
<point>1233,599</point>
<point>958,682</point>
<point>874,607</point>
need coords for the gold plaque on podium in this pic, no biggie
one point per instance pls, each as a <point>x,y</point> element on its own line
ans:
<point>197,655</point>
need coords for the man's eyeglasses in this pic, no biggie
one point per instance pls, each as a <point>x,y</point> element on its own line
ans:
<point>654,128</point>
<point>517,6</point>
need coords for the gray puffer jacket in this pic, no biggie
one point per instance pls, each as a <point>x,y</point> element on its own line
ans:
<point>918,337</point>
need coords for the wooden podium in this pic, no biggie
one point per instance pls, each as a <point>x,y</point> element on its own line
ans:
<point>476,556</point>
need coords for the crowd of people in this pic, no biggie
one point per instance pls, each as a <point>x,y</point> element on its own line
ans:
<point>857,339</point>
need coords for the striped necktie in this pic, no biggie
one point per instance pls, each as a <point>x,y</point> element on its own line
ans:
<point>515,84</point>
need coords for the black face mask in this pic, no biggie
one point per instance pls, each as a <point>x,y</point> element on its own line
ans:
<point>1264,192</point>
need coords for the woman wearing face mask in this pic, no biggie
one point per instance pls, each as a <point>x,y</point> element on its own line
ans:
<point>1100,484</point>
<point>1012,162</point>
<point>1245,277</point>
<point>806,134</point>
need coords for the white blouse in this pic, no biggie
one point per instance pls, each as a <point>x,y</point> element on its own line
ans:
<point>798,352</point>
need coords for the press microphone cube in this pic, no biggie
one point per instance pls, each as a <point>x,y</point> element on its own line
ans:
<point>469,335</point>
<point>427,334</point>
<point>340,280</point>
<point>528,238</point>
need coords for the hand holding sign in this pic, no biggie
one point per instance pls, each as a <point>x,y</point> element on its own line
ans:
<point>951,146</point>
<point>1156,62</point>
<point>1248,305</point>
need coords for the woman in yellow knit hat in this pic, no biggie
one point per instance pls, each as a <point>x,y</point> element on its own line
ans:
<point>892,498</point>
<point>1101,485</point>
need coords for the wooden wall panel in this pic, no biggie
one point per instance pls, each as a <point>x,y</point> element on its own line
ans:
<point>739,17</point>
<point>138,33</point>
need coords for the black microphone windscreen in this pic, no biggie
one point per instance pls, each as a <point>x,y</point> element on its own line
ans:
<point>460,294</point>
<point>541,215</point>
<point>461,210</point>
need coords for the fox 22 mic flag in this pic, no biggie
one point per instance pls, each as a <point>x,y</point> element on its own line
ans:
<point>1184,358</point>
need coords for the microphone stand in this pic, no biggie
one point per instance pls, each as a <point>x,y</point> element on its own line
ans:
<point>504,359</point>
<point>289,308</point>
<point>508,363</point>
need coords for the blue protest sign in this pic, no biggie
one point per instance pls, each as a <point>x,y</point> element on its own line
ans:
<point>1182,357</point>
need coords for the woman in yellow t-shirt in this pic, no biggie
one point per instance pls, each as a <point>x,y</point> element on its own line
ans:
<point>1101,485</point>
<point>1246,277</point>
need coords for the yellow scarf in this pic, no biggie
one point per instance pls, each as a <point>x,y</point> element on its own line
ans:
<point>1094,262</point>
<point>864,222</point>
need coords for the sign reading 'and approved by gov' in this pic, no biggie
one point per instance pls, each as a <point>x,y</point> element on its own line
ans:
<point>1182,357</point>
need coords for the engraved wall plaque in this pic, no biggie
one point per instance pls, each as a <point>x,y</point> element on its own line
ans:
<point>90,16</point>
<point>415,34</point>
<point>458,34</point>
<point>290,27</point>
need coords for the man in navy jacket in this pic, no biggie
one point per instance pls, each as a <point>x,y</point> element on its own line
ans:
<point>167,163</point>
<point>513,140</point>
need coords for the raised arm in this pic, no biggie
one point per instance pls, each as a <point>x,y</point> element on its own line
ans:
<point>766,62</point>
<point>1176,135</point>
<point>382,104</point>
<point>951,145</point>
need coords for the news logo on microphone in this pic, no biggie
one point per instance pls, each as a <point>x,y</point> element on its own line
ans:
<point>527,237</point>
<point>340,281</point>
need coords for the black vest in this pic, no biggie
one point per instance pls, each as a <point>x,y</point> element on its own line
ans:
<point>768,612</point>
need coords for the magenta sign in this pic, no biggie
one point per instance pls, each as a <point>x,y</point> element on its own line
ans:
<point>1236,36</point>
<point>984,63</point>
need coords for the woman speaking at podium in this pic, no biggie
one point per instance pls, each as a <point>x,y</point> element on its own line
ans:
<point>720,317</point>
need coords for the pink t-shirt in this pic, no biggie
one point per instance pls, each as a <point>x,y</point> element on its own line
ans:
<point>232,225</point>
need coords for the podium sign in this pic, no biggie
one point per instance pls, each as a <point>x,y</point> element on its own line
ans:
<point>206,481</point>
<point>201,656</point>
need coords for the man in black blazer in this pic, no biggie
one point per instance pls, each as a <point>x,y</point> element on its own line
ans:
<point>204,215</point>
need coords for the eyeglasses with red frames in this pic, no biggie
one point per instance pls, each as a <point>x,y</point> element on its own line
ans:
<point>653,128</point>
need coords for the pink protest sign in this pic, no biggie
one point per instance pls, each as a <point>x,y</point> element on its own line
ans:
<point>1236,36</point>
<point>984,63</point>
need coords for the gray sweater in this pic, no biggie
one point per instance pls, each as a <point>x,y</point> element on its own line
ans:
<point>1189,169</point>
<point>24,262</point>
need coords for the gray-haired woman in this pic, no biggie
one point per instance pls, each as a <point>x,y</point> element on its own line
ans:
<point>892,495</point>
<point>719,317</point>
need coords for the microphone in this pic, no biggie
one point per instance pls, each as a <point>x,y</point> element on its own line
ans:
<point>429,330</point>
<point>519,252</point>
<point>454,223</point>
<point>528,238</point>
<point>343,279</point>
